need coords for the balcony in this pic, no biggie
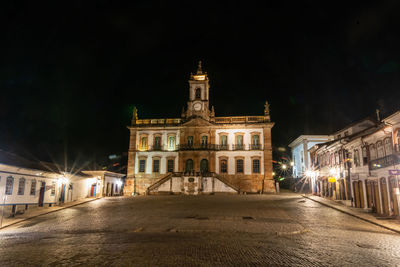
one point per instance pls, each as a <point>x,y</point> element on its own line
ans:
<point>198,147</point>
<point>384,162</point>
<point>238,147</point>
<point>256,147</point>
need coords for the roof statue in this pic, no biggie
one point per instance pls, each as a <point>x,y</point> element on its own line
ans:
<point>266,108</point>
<point>199,70</point>
<point>134,115</point>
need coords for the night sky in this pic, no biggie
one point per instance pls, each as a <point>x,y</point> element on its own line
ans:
<point>71,71</point>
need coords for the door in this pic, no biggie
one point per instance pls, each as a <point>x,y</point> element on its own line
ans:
<point>41,193</point>
<point>62,197</point>
<point>93,190</point>
<point>384,194</point>
<point>204,166</point>
<point>361,191</point>
<point>112,189</point>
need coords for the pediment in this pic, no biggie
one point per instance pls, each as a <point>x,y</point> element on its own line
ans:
<point>197,122</point>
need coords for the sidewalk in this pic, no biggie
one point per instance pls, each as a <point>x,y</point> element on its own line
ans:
<point>33,212</point>
<point>390,224</point>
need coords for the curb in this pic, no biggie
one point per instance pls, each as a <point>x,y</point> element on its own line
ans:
<point>61,208</point>
<point>354,215</point>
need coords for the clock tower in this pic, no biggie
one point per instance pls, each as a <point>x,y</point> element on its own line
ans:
<point>198,104</point>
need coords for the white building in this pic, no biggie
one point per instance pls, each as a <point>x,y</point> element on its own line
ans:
<point>25,183</point>
<point>301,156</point>
<point>111,183</point>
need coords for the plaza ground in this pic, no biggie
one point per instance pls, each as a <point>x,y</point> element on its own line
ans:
<point>284,230</point>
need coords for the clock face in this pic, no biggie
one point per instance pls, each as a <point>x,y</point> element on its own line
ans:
<point>197,106</point>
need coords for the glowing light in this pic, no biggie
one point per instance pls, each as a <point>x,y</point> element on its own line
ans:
<point>273,173</point>
<point>284,166</point>
<point>332,171</point>
<point>309,173</point>
<point>119,182</point>
<point>199,77</point>
<point>291,163</point>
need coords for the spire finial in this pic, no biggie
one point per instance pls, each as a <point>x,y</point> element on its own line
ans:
<point>199,70</point>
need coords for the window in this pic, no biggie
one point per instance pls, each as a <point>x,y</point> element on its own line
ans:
<point>142,165</point>
<point>157,142</point>
<point>156,165</point>
<point>190,140</point>
<point>365,155</point>
<point>239,166</point>
<point>224,166</point>
<point>336,158</point>
<point>53,189</point>
<point>33,187</point>
<point>239,142</point>
<point>204,166</point>
<point>380,150</point>
<point>189,165</point>
<point>21,186</point>
<point>204,140</point>
<point>346,133</point>
<point>198,93</point>
<point>388,146</point>
<point>356,157</point>
<point>223,142</point>
<point>143,143</point>
<point>338,136</point>
<point>256,166</point>
<point>171,142</point>
<point>255,141</point>
<point>9,185</point>
<point>170,165</point>
<point>372,152</point>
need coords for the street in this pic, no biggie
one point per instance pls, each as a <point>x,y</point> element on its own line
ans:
<point>240,230</point>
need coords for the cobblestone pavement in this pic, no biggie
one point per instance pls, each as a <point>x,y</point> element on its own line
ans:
<point>220,230</point>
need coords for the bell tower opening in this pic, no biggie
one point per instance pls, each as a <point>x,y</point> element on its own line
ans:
<point>198,104</point>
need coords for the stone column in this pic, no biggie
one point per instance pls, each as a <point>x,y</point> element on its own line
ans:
<point>268,186</point>
<point>129,187</point>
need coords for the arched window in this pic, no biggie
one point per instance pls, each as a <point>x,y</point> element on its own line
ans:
<point>380,150</point>
<point>21,186</point>
<point>171,142</point>
<point>198,93</point>
<point>223,141</point>
<point>372,152</point>
<point>9,185</point>
<point>224,166</point>
<point>189,165</point>
<point>143,142</point>
<point>388,146</point>
<point>157,142</point>
<point>204,165</point>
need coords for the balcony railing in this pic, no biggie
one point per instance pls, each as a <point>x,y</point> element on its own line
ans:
<point>200,147</point>
<point>386,161</point>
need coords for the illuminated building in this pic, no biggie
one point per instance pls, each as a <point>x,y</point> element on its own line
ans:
<point>199,152</point>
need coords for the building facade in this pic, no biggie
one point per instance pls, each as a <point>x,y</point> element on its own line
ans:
<point>300,155</point>
<point>361,168</point>
<point>199,152</point>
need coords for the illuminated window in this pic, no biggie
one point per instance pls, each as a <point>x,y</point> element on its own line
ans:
<point>53,189</point>
<point>256,166</point>
<point>142,165</point>
<point>239,166</point>
<point>171,142</point>
<point>33,187</point>
<point>239,140</point>
<point>9,185</point>
<point>156,165</point>
<point>224,166</point>
<point>21,186</point>
<point>143,142</point>
<point>198,93</point>
<point>170,165</point>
